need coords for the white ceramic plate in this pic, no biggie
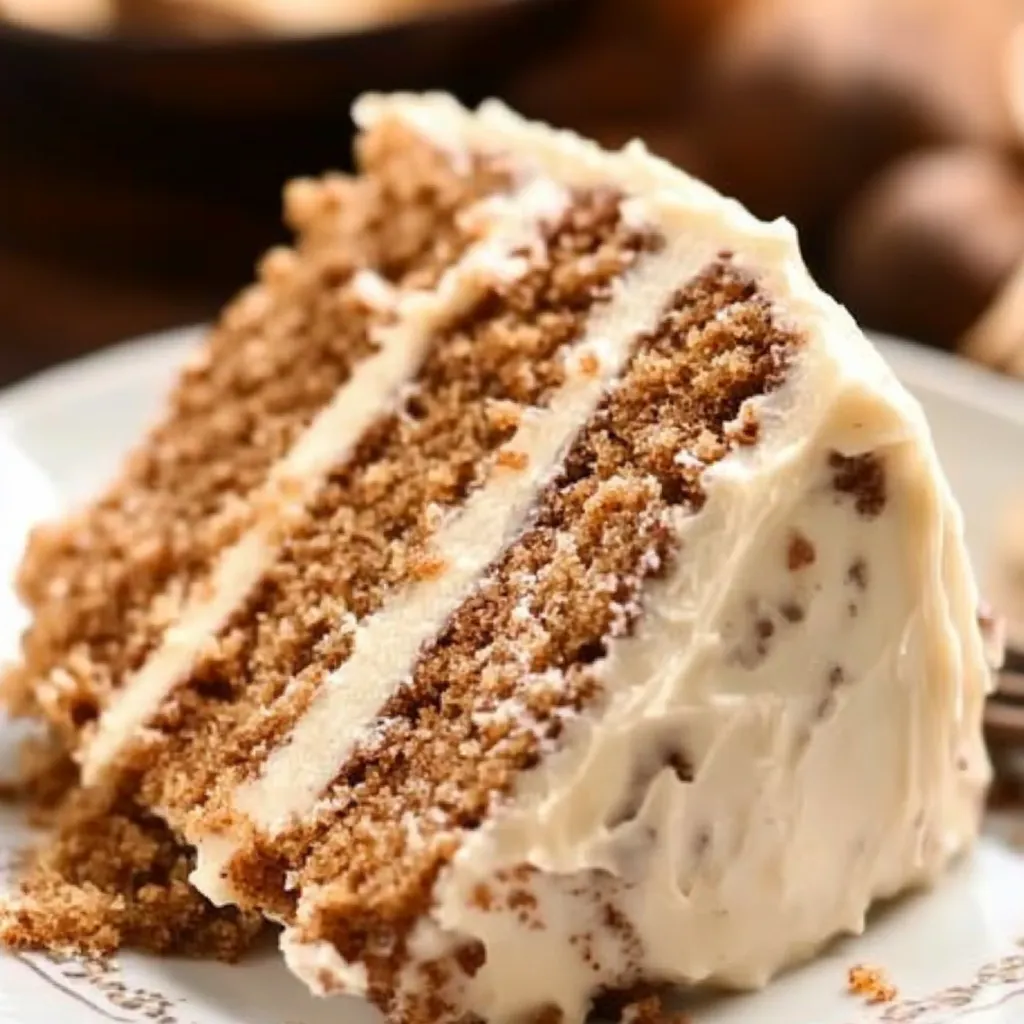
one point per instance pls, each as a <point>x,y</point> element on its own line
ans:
<point>956,954</point>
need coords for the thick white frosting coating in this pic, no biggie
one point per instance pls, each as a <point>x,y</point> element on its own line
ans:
<point>841,764</point>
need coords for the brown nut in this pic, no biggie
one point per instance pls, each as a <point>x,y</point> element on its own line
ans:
<point>926,246</point>
<point>805,100</point>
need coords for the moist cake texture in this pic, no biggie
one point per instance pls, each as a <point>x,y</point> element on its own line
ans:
<point>525,571</point>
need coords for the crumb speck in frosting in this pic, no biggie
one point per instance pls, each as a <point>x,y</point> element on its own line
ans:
<point>857,574</point>
<point>482,897</point>
<point>746,428</point>
<point>471,957</point>
<point>590,365</point>
<point>861,477</point>
<point>801,552</point>
<point>428,567</point>
<point>510,459</point>
<point>549,1014</point>
<point>792,612</point>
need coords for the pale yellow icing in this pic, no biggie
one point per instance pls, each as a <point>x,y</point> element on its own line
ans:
<point>810,799</point>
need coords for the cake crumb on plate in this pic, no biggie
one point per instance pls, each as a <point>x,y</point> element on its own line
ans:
<point>870,982</point>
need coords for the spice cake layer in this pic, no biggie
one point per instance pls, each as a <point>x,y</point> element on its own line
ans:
<point>104,585</point>
<point>624,563</point>
<point>499,372</point>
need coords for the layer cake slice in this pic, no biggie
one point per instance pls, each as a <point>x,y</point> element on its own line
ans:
<point>537,587</point>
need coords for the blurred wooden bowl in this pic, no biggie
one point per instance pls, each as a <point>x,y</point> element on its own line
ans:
<point>167,155</point>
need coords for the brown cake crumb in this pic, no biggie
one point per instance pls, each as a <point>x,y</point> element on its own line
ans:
<point>504,416</point>
<point>549,1014</point>
<point>857,574</point>
<point>428,567</point>
<point>792,612</point>
<point>471,957</point>
<point>800,554</point>
<point>115,877</point>
<point>510,459</point>
<point>746,428</point>
<point>862,477</point>
<point>329,983</point>
<point>871,983</point>
<point>482,897</point>
<point>651,1009</point>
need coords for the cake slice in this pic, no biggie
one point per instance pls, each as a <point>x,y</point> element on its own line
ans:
<point>537,588</point>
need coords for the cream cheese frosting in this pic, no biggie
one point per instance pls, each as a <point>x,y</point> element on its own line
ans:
<point>793,731</point>
<point>840,764</point>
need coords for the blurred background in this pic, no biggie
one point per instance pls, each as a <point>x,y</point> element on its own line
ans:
<point>143,143</point>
